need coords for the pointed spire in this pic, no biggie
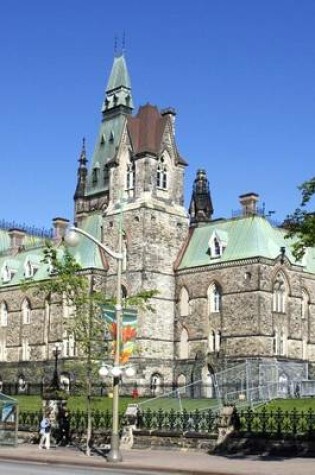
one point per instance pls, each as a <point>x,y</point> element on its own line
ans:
<point>118,91</point>
<point>201,208</point>
<point>83,159</point>
<point>82,173</point>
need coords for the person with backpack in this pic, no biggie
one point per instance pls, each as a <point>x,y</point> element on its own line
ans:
<point>44,431</point>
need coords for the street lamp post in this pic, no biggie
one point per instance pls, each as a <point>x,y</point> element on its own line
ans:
<point>55,380</point>
<point>71,239</point>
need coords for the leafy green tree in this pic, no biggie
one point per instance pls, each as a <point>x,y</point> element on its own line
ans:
<point>86,324</point>
<point>301,224</point>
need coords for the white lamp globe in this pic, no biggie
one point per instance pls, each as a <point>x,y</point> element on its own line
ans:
<point>71,238</point>
<point>130,371</point>
<point>103,372</point>
<point>116,371</point>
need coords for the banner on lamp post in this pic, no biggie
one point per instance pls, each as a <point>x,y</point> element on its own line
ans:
<point>128,330</point>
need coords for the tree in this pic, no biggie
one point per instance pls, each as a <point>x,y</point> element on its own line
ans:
<point>301,224</point>
<point>77,288</point>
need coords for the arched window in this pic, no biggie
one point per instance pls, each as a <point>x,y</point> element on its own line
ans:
<point>305,304</point>
<point>211,341</point>
<point>280,342</point>
<point>161,175</point>
<point>184,302</point>
<point>304,349</point>
<point>181,380</point>
<point>214,298</point>
<point>217,341</point>
<point>279,294</point>
<point>68,345</point>
<point>3,351</point>
<point>131,171</point>
<point>184,348</point>
<point>156,384</point>
<point>26,351</point>
<point>3,314</point>
<point>26,312</point>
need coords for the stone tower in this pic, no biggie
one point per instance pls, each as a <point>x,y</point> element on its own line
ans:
<point>136,181</point>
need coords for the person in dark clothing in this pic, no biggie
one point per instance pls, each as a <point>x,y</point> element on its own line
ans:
<point>64,429</point>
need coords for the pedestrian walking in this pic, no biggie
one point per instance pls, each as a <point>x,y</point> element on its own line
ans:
<point>64,429</point>
<point>44,431</point>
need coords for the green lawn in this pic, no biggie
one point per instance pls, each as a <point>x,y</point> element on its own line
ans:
<point>78,403</point>
<point>303,404</point>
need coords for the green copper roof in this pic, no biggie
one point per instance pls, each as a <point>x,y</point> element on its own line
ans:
<point>4,240</point>
<point>87,254</point>
<point>105,150</point>
<point>117,105</point>
<point>119,75</point>
<point>244,238</point>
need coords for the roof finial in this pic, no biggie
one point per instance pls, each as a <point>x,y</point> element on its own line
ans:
<point>82,159</point>
<point>115,44</point>
<point>123,42</point>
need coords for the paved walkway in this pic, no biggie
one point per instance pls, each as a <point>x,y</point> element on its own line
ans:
<point>167,461</point>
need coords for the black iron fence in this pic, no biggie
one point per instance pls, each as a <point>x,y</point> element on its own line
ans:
<point>78,420</point>
<point>179,421</point>
<point>278,424</point>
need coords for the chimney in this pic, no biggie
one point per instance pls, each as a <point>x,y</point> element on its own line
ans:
<point>17,238</point>
<point>169,112</point>
<point>249,203</point>
<point>60,225</point>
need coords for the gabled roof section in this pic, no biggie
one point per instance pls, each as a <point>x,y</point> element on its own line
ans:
<point>146,129</point>
<point>248,237</point>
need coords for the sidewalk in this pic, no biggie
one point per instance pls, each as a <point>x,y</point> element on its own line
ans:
<point>167,461</point>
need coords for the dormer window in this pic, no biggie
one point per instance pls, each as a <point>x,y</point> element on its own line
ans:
<point>106,175</point>
<point>217,243</point>
<point>95,174</point>
<point>30,269</point>
<point>6,273</point>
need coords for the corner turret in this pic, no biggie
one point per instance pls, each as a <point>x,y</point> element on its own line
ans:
<point>200,208</point>
<point>82,174</point>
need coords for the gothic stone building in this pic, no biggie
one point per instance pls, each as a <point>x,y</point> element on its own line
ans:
<point>228,289</point>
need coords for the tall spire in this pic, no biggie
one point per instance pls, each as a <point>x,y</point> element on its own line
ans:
<point>118,91</point>
<point>82,173</point>
<point>201,208</point>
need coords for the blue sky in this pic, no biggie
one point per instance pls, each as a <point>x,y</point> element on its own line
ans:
<point>240,74</point>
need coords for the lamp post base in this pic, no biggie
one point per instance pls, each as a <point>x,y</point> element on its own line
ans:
<point>114,455</point>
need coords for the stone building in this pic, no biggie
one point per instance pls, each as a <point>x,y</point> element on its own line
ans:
<point>228,289</point>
